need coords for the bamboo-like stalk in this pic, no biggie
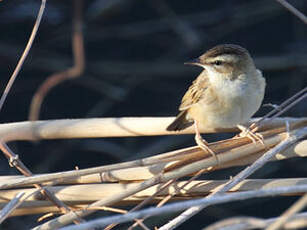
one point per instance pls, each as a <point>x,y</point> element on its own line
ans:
<point>107,127</point>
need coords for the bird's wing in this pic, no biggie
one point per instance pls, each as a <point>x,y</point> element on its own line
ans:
<point>196,92</point>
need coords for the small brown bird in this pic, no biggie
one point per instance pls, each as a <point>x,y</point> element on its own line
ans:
<point>226,94</point>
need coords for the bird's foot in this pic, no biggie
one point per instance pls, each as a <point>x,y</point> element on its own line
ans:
<point>204,146</point>
<point>252,135</point>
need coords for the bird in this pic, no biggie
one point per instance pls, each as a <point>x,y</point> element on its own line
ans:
<point>226,94</point>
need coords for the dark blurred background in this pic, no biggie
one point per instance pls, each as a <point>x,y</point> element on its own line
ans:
<point>134,67</point>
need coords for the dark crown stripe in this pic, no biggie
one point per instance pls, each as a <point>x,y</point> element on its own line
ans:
<point>226,49</point>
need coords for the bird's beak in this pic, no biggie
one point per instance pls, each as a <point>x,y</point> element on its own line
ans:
<point>195,61</point>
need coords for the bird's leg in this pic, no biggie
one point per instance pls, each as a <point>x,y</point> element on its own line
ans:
<point>202,143</point>
<point>251,134</point>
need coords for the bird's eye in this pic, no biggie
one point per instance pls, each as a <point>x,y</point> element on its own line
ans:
<point>217,62</point>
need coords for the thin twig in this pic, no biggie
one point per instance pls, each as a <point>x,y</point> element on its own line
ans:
<point>14,161</point>
<point>291,105</point>
<point>283,107</point>
<point>71,216</point>
<point>167,198</point>
<point>293,10</point>
<point>237,223</point>
<point>245,223</point>
<point>10,207</point>
<point>143,203</point>
<point>24,55</point>
<point>75,71</point>
<point>141,221</point>
<point>295,208</point>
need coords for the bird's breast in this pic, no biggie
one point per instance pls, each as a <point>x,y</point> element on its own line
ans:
<point>233,103</point>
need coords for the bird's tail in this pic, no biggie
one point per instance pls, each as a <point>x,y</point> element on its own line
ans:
<point>180,123</point>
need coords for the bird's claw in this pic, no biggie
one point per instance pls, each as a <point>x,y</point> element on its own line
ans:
<point>204,146</point>
<point>253,136</point>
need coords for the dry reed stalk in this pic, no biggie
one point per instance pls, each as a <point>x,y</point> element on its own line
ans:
<point>76,195</point>
<point>10,206</point>
<point>178,206</point>
<point>132,170</point>
<point>229,150</point>
<point>177,173</point>
<point>107,127</point>
<point>146,172</point>
<point>290,138</point>
<point>14,161</point>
